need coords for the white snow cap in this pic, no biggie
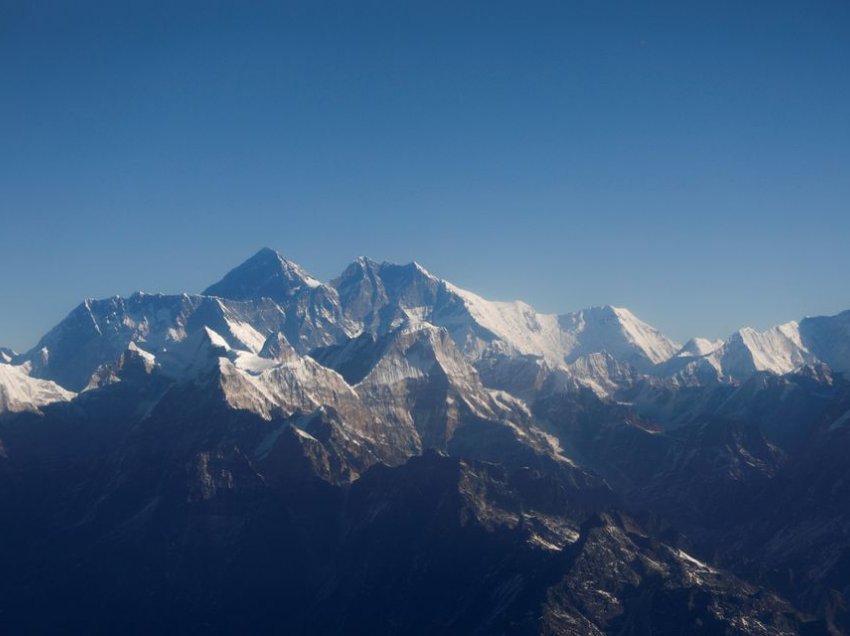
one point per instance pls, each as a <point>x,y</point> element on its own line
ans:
<point>19,392</point>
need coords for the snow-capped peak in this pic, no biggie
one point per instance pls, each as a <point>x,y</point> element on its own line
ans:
<point>617,331</point>
<point>778,350</point>
<point>20,392</point>
<point>696,347</point>
<point>266,274</point>
<point>514,323</point>
<point>286,313</point>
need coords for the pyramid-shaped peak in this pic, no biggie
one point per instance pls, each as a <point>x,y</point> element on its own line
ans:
<point>696,347</point>
<point>277,347</point>
<point>271,258</point>
<point>266,274</point>
<point>361,267</point>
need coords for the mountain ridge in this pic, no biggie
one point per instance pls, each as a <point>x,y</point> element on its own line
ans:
<point>550,474</point>
<point>268,293</point>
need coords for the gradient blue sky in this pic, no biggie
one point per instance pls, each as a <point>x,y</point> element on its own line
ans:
<point>689,160</point>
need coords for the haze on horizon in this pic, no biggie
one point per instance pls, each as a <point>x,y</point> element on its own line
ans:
<point>689,163</point>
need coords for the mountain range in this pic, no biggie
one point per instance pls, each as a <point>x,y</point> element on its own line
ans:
<point>388,453</point>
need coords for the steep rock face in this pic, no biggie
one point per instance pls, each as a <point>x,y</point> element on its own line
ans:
<point>314,319</point>
<point>416,379</point>
<point>280,383</point>
<point>375,295</point>
<point>523,376</point>
<point>287,382</point>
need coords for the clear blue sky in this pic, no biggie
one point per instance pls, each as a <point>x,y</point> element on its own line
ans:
<point>689,160</point>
